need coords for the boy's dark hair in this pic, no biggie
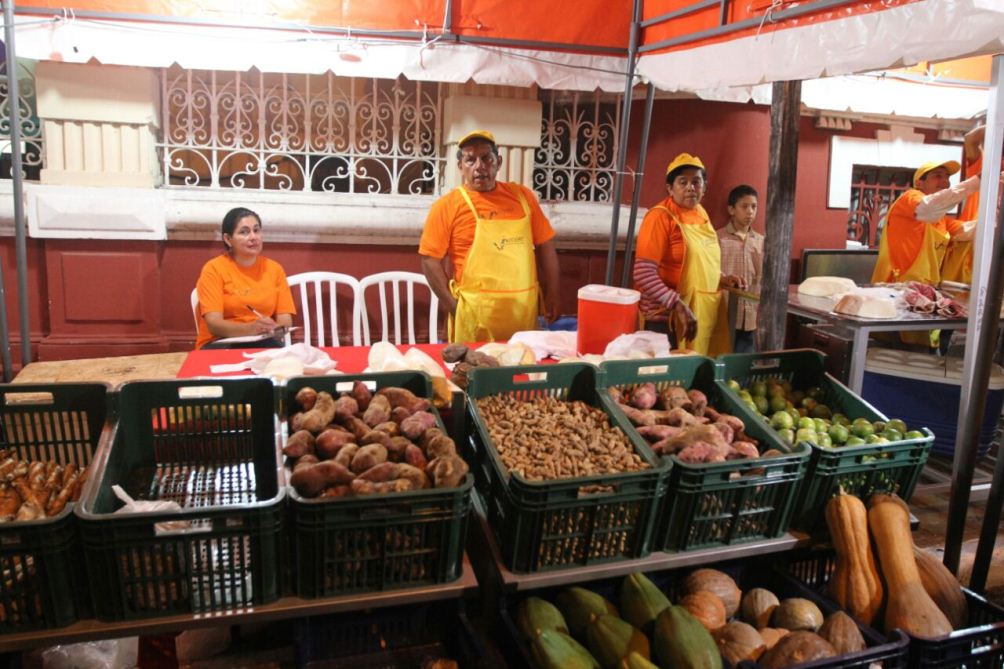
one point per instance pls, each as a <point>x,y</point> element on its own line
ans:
<point>741,191</point>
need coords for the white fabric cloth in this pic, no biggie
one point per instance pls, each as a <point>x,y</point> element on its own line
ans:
<point>547,344</point>
<point>306,359</point>
<point>643,343</point>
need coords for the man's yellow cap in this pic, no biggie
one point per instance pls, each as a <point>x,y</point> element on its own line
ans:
<point>949,165</point>
<point>476,134</point>
<point>684,159</point>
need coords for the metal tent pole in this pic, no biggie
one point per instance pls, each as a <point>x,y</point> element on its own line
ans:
<point>20,244</point>
<point>622,142</point>
<point>981,328</point>
<point>979,380</point>
<point>639,176</point>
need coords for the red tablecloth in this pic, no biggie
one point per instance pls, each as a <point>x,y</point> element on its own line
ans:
<point>350,359</point>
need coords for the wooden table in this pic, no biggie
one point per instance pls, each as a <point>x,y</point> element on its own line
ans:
<point>106,370</point>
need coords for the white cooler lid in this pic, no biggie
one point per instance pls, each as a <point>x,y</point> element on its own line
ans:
<point>923,367</point>
<point>597,292</point>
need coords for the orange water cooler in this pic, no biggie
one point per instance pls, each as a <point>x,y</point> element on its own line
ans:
<point>605,313</point>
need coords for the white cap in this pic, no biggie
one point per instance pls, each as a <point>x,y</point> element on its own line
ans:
<point>597,292</point>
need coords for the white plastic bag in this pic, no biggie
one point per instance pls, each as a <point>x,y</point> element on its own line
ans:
<point>105,654</point>
<point>281,363</point>
<point>641,344</point>
<point>145,506</point>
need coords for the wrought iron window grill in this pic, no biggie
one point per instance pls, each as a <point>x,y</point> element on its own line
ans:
<point>873,190</point>
<point>32,142</point>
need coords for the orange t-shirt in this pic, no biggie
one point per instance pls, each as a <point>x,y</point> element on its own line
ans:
<point>661,241</point>
<point>229,288</point>
<point>971,207</point>
<point>906,233</point>
<point>449,227</point>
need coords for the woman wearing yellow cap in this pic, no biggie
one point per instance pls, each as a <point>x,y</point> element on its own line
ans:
<point>677,265</point>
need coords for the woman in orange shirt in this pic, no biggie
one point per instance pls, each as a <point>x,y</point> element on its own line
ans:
<point>241,292</point>
<point>678,265</point>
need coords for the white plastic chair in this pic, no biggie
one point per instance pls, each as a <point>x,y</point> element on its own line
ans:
<point>195,309</point>
<point>318,304</point>
<point>397,302</point>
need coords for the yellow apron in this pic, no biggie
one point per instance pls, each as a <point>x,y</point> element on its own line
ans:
<point>498,294</point>
<point>958,262</point>
<point>926,268</point>
<point>698,288</point>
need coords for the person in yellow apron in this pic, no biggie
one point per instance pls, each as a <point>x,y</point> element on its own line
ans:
<point>917,232</point>
<point>494,234</point>
<point>677,265</point>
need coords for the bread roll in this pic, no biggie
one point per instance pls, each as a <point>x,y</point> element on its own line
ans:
<point>825,286</point>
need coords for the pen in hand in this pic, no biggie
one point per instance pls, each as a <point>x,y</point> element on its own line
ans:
<point>254,311</point>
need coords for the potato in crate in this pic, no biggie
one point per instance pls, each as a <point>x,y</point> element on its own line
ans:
<point>731,479</point>
<point>48,439</point>
<point>854,446</point>
<point>379,496</point>
<point>206,452</point>
<point>563,480</point>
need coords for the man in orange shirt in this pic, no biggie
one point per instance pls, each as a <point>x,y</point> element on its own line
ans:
<point>958,263</point>
<point>495,234</point>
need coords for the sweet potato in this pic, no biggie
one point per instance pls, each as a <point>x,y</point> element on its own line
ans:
<point>390,428</point>
<point>693,434</point>
<point>701,452</point>
<point>375,437</point>
<point>356,426</point>
<point>370,488</point>
<point>673,397</point>
<point>461,373</point>
<point>399,414</point>
<point>428,436</point>
<point>447,471</point>
<point>311,480</point>
<point>296,421</point>
<point>362,395</point>
<point>454,352</point>
<point>346,406</point>
<point>655,433</point>
<point>615,394</point>
<point>306,397</point>
<point>402,397</point>
<point>368,456</point>
<point>323,413</point>
<point>337,491</point>
<point>711,414</point>
<point>442,396</point>
<point>58,501</point>
<point>771,453</point>
<point>727,432</point>
<point>378,411</point>
<point>681,418</point>
<point>419,480</point>
<point>309,458</point>
<point>299,444</point>
<point>414,456</point>
<point>329,442</point>
<point>743,449</point>
<point>699,402</point>
<point>415,425</point>
<point>637,416</point>
<point>479,359</point>
<point>378,473</point>
<point>736,424</point>
<point>397,448</point>
<point>643,397</point>
<point>345,455</point>
<point>440,446</point>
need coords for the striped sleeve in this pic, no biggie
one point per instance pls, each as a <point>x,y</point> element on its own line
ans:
<point>654,291</point>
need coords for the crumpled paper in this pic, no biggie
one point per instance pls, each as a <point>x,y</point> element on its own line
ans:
<point>283,363</point>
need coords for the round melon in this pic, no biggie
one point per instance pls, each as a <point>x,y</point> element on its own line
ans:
<point>718,583</point>
<point>796,613</point>
<point>707,607</point>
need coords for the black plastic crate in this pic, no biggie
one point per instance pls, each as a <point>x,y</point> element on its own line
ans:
<point>43,583</point>
<point>748,573</point>
<point>716,504</point>
<point>210,446</point>
<point>858,470</point>
<point>402,637</point>
<point>543,525</point>
<point>979,645</point>
<point>379,542</point>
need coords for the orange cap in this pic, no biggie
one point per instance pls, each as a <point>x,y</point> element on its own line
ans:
<point>684,159</point>
<point>476,134</point>
<point>949,165</point>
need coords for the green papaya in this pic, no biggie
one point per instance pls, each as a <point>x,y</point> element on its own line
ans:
<point>556,650</point>
<point>609,639</point>
<point>636,661</point>
<point>680,641</point>
<point>641,601</point>
<point>579,605</point>
<point>535,615</point>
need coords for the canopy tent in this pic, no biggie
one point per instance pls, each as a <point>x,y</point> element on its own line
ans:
<point>712,47</point>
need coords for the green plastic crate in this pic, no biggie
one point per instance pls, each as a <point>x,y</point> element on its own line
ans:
<point>379,542</point>
<point>545,525</point>
<point>859,470</point>
<point>716,504</point>
<point>44,584</point>
<point>211,446</point>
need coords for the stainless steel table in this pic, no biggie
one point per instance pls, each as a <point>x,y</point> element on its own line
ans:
<point>821,309</point>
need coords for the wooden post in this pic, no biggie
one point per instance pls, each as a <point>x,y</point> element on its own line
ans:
<point>786,99</point>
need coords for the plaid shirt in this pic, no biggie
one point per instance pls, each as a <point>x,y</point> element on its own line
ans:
<point>742,255</point>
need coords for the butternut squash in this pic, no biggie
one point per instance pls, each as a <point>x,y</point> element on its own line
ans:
<point>855,583</point>
<point>943,587</point>
<point>908,606</point>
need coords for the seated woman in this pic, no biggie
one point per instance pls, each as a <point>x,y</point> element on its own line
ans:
<point>241,292</point>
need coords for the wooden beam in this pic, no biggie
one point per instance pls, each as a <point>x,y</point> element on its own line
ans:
<point>786,100</point>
